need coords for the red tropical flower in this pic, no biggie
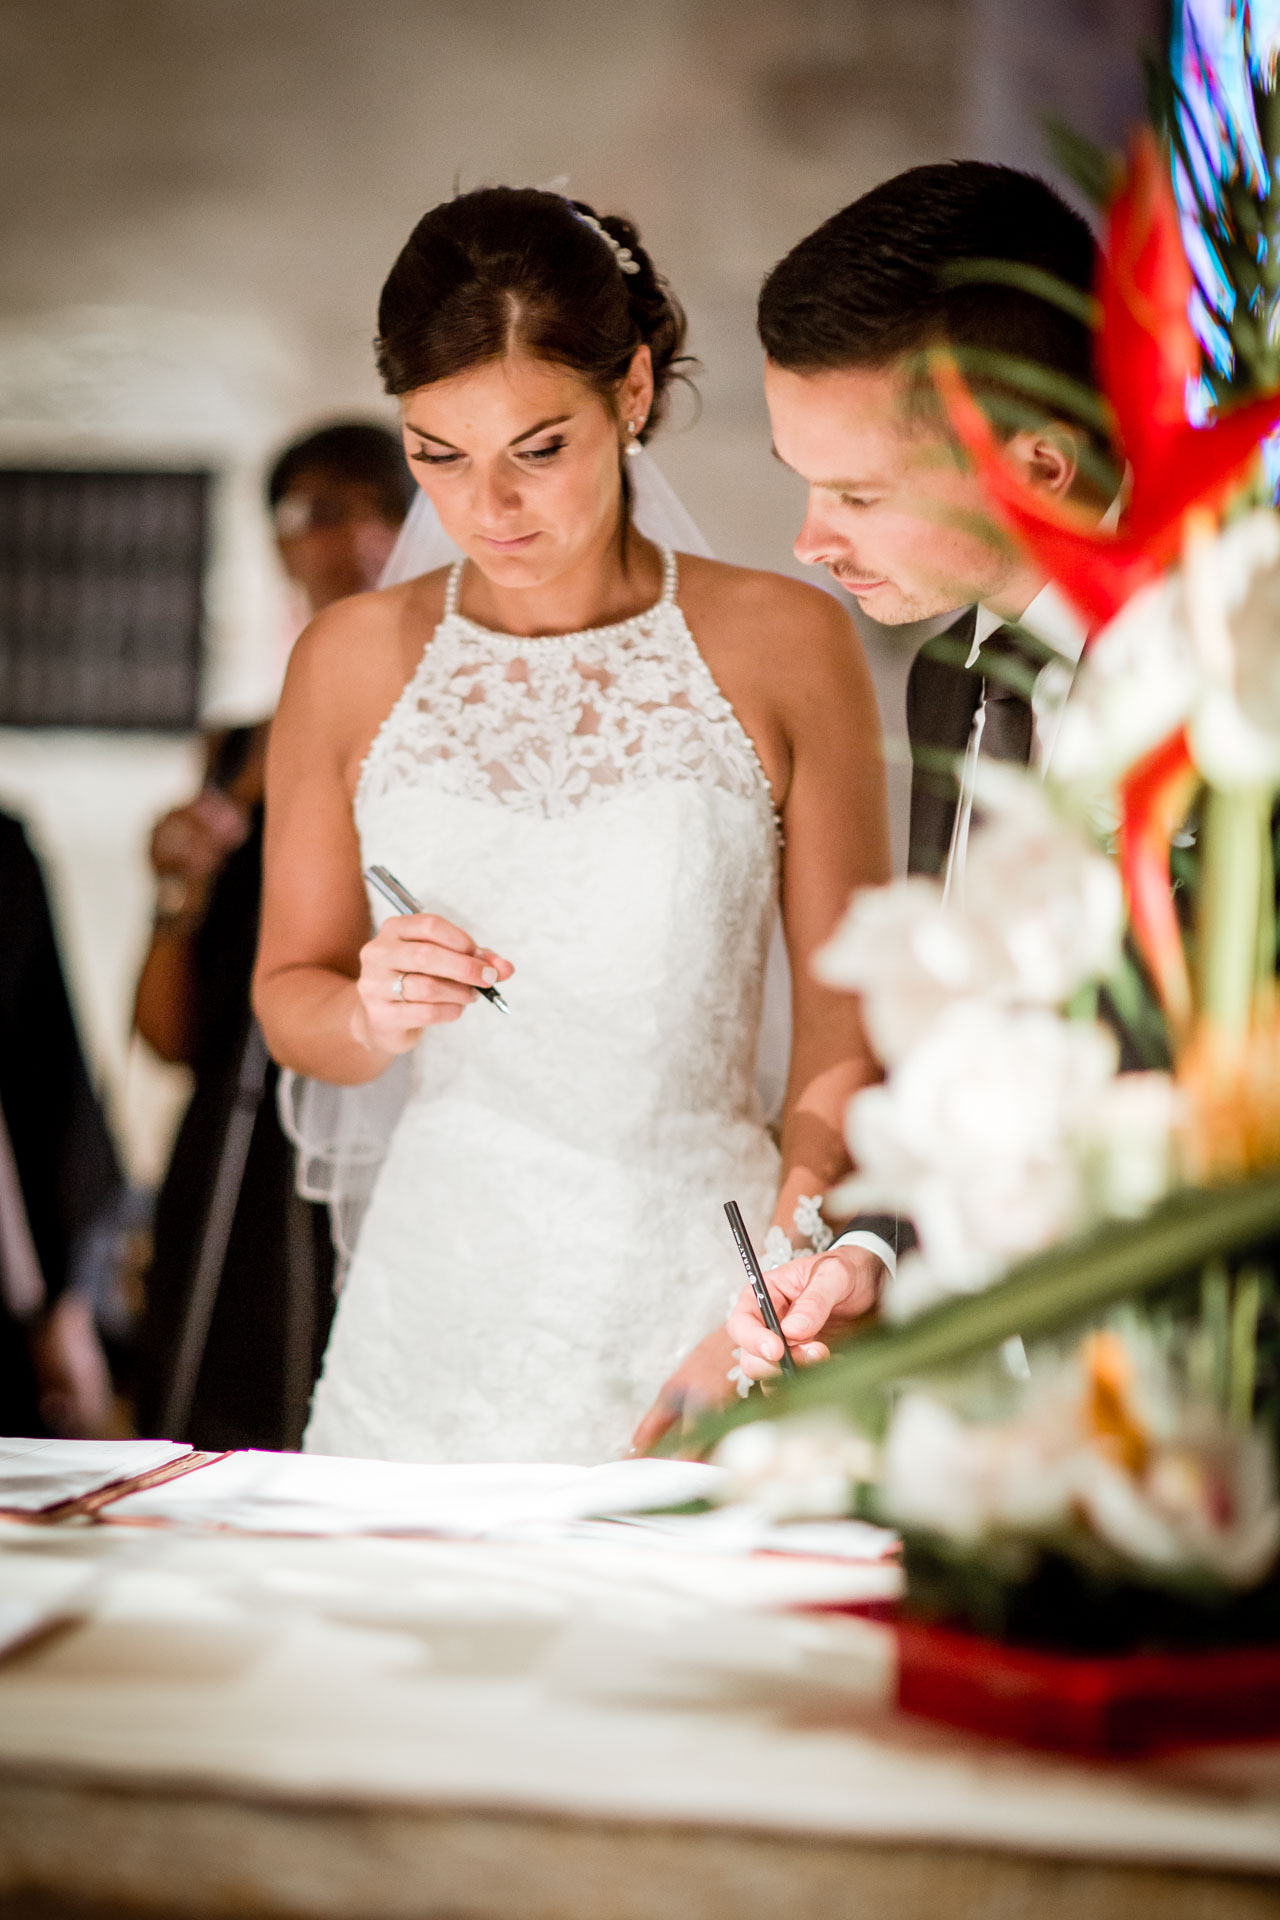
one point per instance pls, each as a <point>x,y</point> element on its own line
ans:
<point>1154,802</point>
<point>1147,354</point>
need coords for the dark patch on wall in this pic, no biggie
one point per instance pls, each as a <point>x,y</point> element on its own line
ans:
<point>102,597</point>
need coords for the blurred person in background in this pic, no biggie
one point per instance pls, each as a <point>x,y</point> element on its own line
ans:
<point>60,1181</point>
<point>337,498</point>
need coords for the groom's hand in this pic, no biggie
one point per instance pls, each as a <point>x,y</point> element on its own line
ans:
<point>818,1294</point>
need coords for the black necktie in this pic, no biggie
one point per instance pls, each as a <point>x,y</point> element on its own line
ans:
<point>1009,725</point>
<point>943,695</point>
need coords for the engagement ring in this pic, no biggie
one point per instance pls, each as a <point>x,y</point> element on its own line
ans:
<point>397,989</point>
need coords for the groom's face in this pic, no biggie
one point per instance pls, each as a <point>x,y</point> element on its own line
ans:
<point>893,514</point>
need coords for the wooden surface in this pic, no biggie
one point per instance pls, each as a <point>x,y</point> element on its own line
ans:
<point>68,1853</point>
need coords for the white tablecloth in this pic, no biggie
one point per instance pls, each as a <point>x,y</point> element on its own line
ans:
<point>610,1677</point>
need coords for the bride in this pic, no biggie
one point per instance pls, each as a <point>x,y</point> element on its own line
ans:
<point>594,762</point>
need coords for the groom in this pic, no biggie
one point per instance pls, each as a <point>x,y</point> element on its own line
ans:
<point>897,516</point>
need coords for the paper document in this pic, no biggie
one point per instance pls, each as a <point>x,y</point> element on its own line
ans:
<point>320,1494</point>
<point>746,1529</point>
<point>35,1474</point>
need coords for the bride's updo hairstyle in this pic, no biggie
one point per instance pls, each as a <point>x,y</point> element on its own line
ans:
<point>518,269</point>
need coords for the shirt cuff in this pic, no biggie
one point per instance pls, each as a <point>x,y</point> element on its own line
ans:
<point>859,1237</point>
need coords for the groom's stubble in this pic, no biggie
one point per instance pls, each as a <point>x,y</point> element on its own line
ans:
<point>894,514</point>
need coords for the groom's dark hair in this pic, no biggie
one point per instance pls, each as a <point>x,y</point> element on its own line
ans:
<point>874,283</point>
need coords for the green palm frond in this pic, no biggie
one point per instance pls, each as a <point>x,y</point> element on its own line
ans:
<point>1043,1296</point>
<point>1027,279</point>
<point>1091,168</point>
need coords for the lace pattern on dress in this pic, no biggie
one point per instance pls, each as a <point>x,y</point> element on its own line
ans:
<point>550,724</point>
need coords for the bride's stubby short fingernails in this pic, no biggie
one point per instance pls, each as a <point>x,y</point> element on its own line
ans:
<point>813,1351</point>
<point>489,975</point>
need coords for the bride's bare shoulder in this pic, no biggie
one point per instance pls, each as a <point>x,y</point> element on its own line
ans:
<point>752,602</point>
<point>767,631</point>
<point>786,654</point>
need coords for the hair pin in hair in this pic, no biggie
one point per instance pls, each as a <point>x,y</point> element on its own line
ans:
<point>623,255</point>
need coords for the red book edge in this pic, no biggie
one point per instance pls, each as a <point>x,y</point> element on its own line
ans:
<point>87,1506</point>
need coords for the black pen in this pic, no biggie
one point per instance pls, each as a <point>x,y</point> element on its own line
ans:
<point>403,902</point>
<point>756,1278</point>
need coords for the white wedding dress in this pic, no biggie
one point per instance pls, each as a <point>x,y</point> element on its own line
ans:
<point>546,1240</point>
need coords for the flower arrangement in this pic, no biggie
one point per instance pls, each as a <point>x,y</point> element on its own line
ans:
<point>1070,1400</point>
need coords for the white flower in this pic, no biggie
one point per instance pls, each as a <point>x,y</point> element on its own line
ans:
<point>1190,1493</point>
<point>1042,913</point>
<point>1133,688</point>
<point>797,1469</point>
<point>974,1137</point>
<point>951,1477</point>
<point>1129,1140</point>
<point>1199,647</point>
<point>1037,883</point>
<point>910,957</point>
<point>985,1085</point>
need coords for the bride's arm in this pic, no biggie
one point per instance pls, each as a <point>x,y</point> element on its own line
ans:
<point>799,681</point>
<point>324,990</point>
<point>836,840</point>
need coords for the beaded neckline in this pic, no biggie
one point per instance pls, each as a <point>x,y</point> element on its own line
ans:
<point>638,622</point>
<point>490,734</point>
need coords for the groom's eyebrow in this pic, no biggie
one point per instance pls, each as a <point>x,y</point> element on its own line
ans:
<point>557,420</point>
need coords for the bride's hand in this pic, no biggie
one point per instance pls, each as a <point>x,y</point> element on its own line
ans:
<point>418,971</point>
<point>699,1385</point>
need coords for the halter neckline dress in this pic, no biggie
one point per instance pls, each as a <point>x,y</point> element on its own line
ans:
<point>546,1240</point>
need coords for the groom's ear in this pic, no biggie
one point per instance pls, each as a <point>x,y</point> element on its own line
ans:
<point>1048,457</point>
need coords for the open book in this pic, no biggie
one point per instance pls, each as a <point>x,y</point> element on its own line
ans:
<point>46,1481</point>
<point>160,1483</point>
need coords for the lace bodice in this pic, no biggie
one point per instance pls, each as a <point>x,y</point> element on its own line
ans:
<point>550,724</point>
<point>546,1239</point>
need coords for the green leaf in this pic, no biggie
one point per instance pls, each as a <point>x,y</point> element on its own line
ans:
<point>1056,390</point>
<point>1244,1346</point>
<point>1136,1008</point>
<point>1010,415</point>
<point>1159,89</point>
<point>1090,167</point>
<point>1044,1295</point>
<point>1010,672</point>
<point>1027,279</point>
<point>1235,875</point>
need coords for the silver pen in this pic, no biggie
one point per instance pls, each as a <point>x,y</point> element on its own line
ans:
<point>403,902</point>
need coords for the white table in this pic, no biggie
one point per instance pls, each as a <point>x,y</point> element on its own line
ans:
<point>375,1728</point>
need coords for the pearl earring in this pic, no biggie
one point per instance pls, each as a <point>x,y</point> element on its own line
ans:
<point>632,447</point>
